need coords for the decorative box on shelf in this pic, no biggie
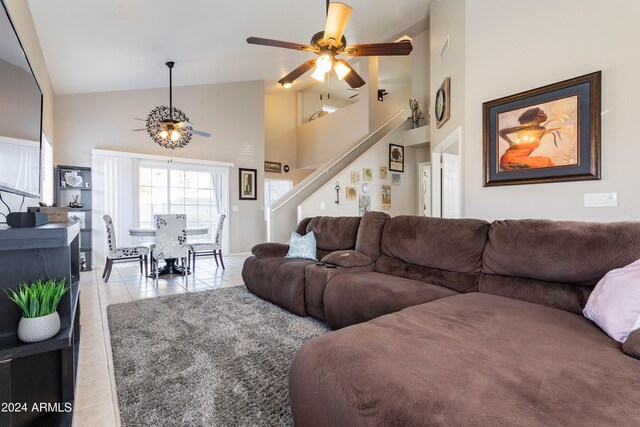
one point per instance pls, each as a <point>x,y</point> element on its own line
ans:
<point>56,214</point>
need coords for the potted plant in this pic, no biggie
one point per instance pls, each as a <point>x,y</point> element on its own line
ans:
<point>38,302</point>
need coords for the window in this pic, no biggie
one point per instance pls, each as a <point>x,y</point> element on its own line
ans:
<point>273,190</point>
<point>195,191</point>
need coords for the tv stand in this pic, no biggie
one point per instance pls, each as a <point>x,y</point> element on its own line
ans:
<point>37,380</point>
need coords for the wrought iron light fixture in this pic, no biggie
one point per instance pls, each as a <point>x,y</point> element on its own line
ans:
<point>168,126</point>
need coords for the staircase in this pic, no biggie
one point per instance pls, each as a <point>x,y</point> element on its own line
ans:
<point>283,215</point>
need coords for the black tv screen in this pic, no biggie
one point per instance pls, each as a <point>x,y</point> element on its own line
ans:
<point>20,115</point>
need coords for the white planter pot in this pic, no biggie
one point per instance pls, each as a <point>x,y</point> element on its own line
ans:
<point>38,328</point>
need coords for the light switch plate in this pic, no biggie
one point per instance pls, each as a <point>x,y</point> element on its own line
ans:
<point>600,200</point>
<point>234,208</point>
<point>322,206</point>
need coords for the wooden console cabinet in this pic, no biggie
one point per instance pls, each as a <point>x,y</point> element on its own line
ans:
<point>37,380</point>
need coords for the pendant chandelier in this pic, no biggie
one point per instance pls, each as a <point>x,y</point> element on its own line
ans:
<point>168,126</point>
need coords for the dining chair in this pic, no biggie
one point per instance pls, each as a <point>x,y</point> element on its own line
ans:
<point>114,253</point>
<point>208,248</point>
<point>171,241</point>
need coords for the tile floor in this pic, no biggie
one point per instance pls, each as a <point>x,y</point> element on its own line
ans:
<point>96,402</point>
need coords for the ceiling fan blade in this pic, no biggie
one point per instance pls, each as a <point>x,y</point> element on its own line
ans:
<point>184,124</point>
<point>197,132</point>
<point>143,120</point>
<point>138,130</point>
<point>352,78</point>
<point>353,96</point>
<point>379,49</point>
<point>338,16</point>
<point>289,78</point>
<point>279,43</point>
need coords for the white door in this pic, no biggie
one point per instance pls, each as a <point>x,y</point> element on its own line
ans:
<point>450,185</point>
<point>424,189</point>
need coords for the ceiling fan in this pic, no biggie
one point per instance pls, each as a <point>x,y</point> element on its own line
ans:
<point>168,126</point>
<point>330,43</point>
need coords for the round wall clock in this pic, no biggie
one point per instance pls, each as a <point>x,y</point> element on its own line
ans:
<point>440,100</point>
<point>443,103</point>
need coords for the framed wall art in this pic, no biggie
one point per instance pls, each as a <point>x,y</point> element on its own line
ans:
<point>548,134</point>
<point>273,167</point>
<point>396,158</point>
<point>248,184</point>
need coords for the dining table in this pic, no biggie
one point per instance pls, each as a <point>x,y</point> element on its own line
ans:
<point>170,263</point>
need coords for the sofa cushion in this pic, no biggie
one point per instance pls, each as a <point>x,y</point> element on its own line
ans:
<point>370,233</point>
<point>444,244</point>
<point>459,282</point>
<point>614,304</point>
<point>560,251</point>
<point>472,359</point>
<point>278,280</point>
<point>563,296</point>
<point>334,233</point>
<point>347,259</point>
<point>358,297</point>
<point>316,278</point>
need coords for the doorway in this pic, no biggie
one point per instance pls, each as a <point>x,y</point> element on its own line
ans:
<point>446,177</point>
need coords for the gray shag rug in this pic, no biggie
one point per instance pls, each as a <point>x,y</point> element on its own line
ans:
<point>212,358</point>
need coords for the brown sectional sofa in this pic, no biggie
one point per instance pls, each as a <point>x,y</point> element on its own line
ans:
<point>460,322</point>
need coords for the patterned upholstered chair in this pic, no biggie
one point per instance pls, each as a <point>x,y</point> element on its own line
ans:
<point>114,253</point>
<point>210,248</point>
<point>171,240</point>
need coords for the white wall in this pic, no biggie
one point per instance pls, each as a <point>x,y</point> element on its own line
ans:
<point>322,139</point>
<point>233,113</point>
<point>447,18</point>
<point>403,197</point>
<point>420,84</point>
<point>280,139</point>
<point>561,40</point>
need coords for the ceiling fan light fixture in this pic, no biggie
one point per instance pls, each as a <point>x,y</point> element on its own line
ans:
<point>175,135</point>
<point>287,85</point>
<point>341,69</point>
<point>324,63</point>
<point>318,74</point>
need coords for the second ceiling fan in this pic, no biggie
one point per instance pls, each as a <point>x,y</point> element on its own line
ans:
<point>330,43</point>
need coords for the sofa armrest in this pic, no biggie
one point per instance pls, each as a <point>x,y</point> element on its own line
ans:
<point>270,250</point>
<point>347,259</point>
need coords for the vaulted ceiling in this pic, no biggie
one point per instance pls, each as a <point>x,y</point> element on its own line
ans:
<point>97,45</point>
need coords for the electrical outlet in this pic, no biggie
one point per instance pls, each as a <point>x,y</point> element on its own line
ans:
<point>322,206</point>
<point>599,200</point>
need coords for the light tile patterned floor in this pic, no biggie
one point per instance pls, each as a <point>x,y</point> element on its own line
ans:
<point>96,402</point>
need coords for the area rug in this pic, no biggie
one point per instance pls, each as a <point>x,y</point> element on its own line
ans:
<point>212,358</point>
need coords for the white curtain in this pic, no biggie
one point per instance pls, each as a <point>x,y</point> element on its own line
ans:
<point>115,193</point>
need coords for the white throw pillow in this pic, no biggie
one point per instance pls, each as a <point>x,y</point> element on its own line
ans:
<point>614,304</point>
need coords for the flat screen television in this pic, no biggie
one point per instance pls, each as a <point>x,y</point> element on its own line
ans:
<point>20,115</point>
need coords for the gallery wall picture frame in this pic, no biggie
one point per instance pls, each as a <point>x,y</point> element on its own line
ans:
<point>396,158</point>
<point>248,184</point>
<point>443,103</point>
<point>548,134</point>
<point>272,167</point>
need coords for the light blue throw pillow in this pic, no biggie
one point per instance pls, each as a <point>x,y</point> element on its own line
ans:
<point>302,246</point>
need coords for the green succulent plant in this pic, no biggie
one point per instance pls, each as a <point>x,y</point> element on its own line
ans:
<point>39,298</point>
